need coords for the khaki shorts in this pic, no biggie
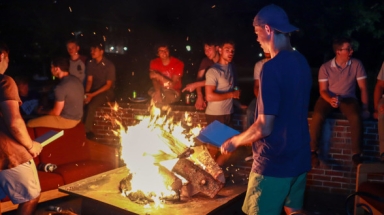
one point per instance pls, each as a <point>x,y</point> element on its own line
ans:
<point>20,183</point>
<point>268,195</point>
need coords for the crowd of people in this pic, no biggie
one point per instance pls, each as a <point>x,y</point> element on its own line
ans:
<point>284,147</point>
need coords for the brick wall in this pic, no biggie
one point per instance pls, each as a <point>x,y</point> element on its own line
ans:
<point>336,173</point>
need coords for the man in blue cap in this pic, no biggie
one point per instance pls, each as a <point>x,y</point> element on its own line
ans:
<point>280,135</point>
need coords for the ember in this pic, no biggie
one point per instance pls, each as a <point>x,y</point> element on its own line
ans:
<point>163,161</point>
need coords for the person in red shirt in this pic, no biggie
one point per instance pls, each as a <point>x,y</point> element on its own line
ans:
<point>165,73</point>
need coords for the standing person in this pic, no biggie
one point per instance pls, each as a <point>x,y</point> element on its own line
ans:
<point>379,109</point>
<point>212,57</point>
<point>166,73</point>
<point>76,61</point>
<point>69,97</point>
<point>99,87</point>
<point>18,174</point>
<point>220,92</point>
<point>337,86</point>
<point>279,136</point>
<point>220,86</point>
<point>256,76</point>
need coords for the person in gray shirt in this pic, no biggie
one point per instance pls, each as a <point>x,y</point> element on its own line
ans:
<point>69,94</point>
<point>220,86</point>
<point>76,61</point>
<point>220,91</point>
<point>99,86</point>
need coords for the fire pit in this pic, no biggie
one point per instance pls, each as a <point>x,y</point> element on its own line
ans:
<point>101,195</point>
<point>167,171</point>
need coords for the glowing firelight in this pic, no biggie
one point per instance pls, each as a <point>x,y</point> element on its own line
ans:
<point>146,146</point>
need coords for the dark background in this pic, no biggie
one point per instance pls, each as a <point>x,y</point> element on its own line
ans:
<point>37,30</point>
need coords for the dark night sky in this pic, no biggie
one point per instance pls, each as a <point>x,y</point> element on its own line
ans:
<point>36,31</point>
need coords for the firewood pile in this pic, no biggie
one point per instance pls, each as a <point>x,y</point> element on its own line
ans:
<point>194,172</point>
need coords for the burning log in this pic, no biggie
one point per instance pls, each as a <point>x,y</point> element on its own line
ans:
<point>140,197</point>
<point>169,179</point>
<point>200,181</point>
<point>202,158</point>
<point>162,156</point>
<point>174,144</point>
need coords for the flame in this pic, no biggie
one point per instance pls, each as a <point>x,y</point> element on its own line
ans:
<point>156,138</point>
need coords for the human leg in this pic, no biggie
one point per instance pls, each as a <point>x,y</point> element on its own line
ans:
<point>267,195</point>
<point>351,109</point>
<point>295,198</point>
<point>21,184</point>
<point>28,208</point>
<point>90,109</point>
<point>51,121</point>
<point>380,125</point>
<point>321,110</point>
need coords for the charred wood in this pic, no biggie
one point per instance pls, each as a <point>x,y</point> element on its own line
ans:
<point>204,160</point>
<point>200,181</point>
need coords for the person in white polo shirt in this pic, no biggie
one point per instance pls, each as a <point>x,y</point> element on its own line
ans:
<point>337,85</point>
<point>378,101</point>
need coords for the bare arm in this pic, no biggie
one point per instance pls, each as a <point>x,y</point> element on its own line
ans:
<point>323,89</point>
<point>57,108</point>
<point>364,97</point>
<point>211,95</point>
<point>157,79</point>
<point>377,95</point>
<point>17,128</point>
<point>175,79</point>
<point>88,85</point>
<point>200,75</point>
<point>102,89</point>
<point>260,129</point>
<point>195,85</point>
<point>364,92</point>
<point>200,102</point>
<point>256,87</point>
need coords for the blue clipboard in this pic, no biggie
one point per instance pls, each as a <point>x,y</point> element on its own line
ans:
<point>216,133</point>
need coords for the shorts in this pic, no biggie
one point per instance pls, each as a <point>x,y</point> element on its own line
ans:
<point>267,195</point>
<point>20,183</point>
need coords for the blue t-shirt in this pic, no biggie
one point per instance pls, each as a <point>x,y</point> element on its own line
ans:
<point>285,85</point>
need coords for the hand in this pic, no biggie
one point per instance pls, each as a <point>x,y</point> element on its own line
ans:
<point>36,149</point>
<point>189,87</point>
<point>236,94</point>
<point>228,146</point>
<point>154,75</point>
<point>87,98</point>
<point>334,102</point>
<point>200,103</point>
<point>156,97</point>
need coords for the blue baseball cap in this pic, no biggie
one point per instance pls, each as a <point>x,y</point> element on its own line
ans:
<point>275,17</point>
